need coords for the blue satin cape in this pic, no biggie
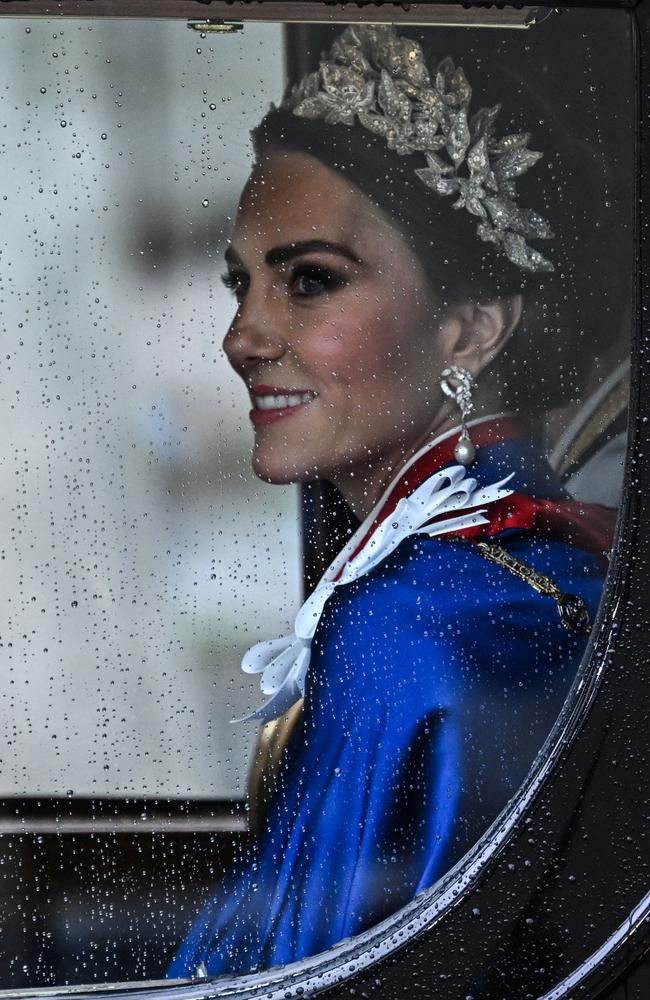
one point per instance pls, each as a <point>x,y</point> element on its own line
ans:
<point>434,680</point>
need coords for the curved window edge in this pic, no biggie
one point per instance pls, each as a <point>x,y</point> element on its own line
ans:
<point>341,964</point>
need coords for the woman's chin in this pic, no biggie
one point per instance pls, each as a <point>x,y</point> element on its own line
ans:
<point>278,470</point>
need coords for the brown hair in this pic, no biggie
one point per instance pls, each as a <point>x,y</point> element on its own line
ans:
<point>570,315</point>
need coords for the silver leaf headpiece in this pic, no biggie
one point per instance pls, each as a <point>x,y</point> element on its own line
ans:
<point>379,78</point>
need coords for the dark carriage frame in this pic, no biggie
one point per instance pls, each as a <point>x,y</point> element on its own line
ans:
<point>589,784</point>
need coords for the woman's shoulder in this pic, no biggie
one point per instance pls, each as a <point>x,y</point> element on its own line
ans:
<point>449,576</point>
<point>436,617</point>
<point>443,602</point>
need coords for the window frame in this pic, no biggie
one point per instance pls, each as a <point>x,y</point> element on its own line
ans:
<point>568,781</point>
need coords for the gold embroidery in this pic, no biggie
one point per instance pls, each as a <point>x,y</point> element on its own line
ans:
<point>609,409</point>
<point>267,759</point>
<point>572,610</point>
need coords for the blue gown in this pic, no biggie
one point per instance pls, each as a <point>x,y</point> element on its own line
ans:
<point>433,682</point>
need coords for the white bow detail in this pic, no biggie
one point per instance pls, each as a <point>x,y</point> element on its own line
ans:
<point>283,663</point>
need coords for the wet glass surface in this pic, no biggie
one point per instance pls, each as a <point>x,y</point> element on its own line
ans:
<point>420,307</point>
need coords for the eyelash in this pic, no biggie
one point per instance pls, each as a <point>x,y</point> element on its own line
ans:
<point>237,281</point>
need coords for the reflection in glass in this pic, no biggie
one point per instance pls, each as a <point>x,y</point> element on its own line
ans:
<point>430,323</point>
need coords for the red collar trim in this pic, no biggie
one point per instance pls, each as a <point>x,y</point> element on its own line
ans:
<point>438,457</point>
<point>586,526</point>
<point>442,454</point>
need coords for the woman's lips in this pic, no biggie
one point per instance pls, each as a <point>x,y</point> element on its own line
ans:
<point>271,403</point>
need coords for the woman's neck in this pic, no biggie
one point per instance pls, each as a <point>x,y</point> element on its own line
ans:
<point>363,487</point>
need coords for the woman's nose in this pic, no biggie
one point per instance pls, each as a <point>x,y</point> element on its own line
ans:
<point>249,340</point>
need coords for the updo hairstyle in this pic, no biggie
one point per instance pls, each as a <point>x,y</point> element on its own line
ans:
<point>572,315</point>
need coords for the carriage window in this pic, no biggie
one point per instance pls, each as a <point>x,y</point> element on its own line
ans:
<point>315,389</point>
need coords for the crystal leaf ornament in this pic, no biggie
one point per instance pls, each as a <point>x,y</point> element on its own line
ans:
<point>377,77</point>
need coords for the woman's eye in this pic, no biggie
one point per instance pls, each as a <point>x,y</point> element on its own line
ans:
<point>236,281</point>
<point>311,281</point>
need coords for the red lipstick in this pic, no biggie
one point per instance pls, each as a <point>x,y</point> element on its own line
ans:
<point>260,416</point>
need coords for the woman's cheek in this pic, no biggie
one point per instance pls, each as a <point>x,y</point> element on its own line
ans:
<point>353,350</point>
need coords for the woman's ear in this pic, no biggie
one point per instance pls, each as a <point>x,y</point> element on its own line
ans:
<point>482,331</point>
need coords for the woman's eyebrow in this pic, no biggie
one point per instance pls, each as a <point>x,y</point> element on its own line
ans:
<point>283,254</point>
<point>232,257</point>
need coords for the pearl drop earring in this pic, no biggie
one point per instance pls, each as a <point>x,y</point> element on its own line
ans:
<point>457,383</point>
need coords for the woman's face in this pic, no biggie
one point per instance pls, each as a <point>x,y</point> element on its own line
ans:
<point>336,330</point>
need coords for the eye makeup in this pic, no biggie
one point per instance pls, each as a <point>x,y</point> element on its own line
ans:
<point>306,280</point>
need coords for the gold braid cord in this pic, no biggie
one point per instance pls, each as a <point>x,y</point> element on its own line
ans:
<point>572,610</point>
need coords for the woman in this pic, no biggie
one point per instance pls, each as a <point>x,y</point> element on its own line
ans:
<point>435,654</point>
